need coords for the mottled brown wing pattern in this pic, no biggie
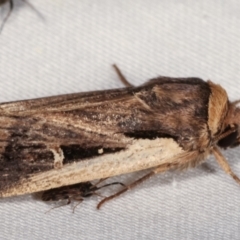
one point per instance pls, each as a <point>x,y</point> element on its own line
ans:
<point>82,125</point>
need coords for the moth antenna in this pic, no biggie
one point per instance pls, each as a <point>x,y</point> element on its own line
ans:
<point>7,16</point>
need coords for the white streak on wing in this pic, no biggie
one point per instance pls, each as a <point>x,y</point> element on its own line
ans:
<point>141,154</point>
<point>58,157</point>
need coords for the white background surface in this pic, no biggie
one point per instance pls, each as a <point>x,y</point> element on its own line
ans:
<point>72,50</point>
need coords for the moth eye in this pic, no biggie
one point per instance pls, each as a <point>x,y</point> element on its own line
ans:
<point>229,141</point>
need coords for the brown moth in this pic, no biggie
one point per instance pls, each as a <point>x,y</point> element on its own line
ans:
<point>166,123</point>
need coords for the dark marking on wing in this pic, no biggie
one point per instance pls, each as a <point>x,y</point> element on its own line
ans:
<point>148,135</point>
<point>75,152</point>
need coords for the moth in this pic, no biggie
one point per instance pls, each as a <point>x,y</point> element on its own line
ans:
<point>166,123</point>
<point>11,6</point>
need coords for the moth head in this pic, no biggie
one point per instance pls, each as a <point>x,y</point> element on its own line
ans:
<point>231,133</point>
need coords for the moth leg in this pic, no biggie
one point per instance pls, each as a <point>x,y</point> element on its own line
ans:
<point>79,201</point>
<point>61,205</point>
<point>232,130</point>
<point>95,188</point>
<point>121,76</point>
<point>224,164</point>
<point>112,183</point>
<point>99,181</point>
<point>156,170</point>
<point>8,15</point>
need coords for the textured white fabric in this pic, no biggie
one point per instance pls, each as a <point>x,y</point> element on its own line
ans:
<point>72,50</point>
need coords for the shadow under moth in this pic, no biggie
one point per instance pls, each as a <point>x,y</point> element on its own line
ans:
<point>166,123</point>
